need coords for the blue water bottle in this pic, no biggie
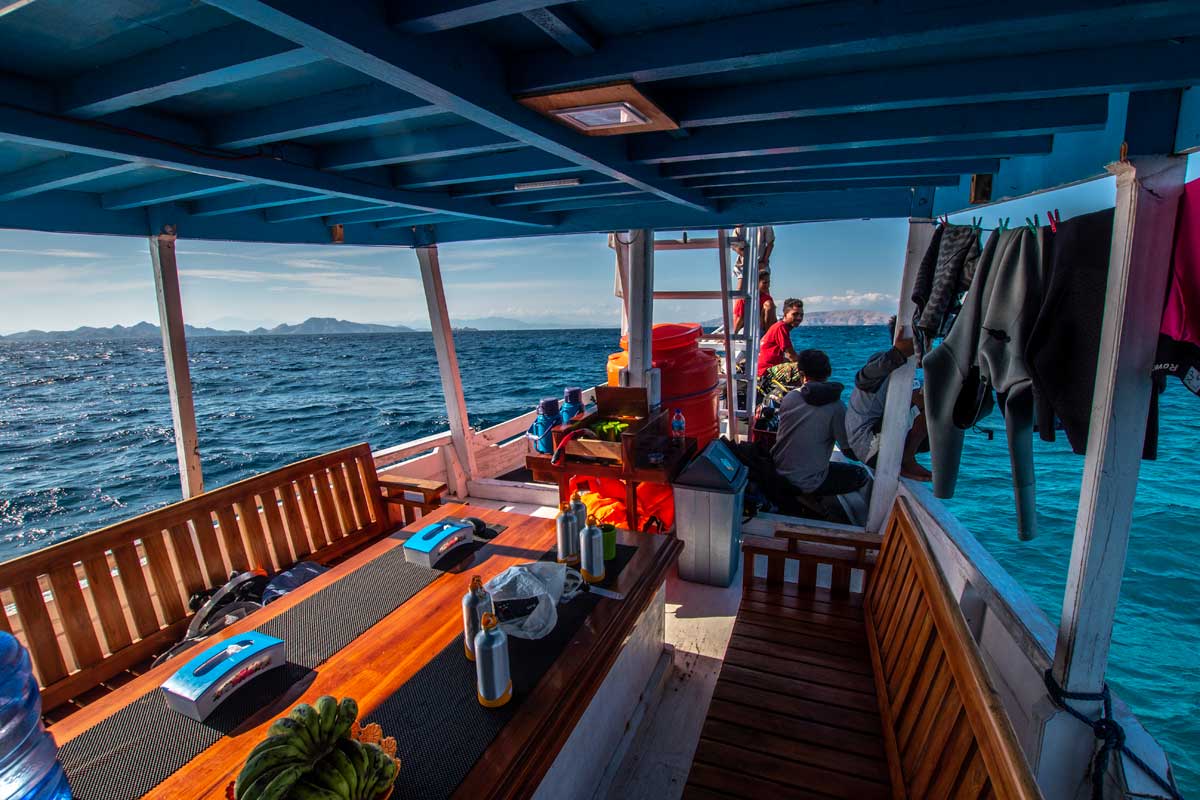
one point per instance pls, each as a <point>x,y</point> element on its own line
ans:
<point>539,431</point>
<point>678,427</point>
<point>572,404</point>
<point>29,769</point>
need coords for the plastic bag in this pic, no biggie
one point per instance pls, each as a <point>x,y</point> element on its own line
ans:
<point>526,597</point>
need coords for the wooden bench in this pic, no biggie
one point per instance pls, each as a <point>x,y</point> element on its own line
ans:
<point>879,693</point>
<point>94,609</point>
<point>397,488</point>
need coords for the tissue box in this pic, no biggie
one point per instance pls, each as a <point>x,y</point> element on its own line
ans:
<point>215,674</point>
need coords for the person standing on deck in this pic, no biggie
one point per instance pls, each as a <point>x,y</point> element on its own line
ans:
<point>864,416</point>
<point>766,244</point>
<point>811,420</point>
<point>767,316</point>
<point>776,353</point>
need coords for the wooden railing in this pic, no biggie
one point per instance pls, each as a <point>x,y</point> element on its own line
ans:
<point>942,718</point>
<point>99,604</point>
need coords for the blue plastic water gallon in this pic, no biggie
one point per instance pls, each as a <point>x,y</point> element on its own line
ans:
<point>29,768</point>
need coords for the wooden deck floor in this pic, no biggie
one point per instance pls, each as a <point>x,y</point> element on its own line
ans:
<point>794,712</point>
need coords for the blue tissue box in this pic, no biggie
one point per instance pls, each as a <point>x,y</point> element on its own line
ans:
<point>434,542</point>
<point>212,677</point>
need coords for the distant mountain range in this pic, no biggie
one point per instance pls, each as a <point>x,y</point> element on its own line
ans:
<point>852,316</point>
<point>323,326</point>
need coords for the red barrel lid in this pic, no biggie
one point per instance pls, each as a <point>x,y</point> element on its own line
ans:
<point>671,336</point>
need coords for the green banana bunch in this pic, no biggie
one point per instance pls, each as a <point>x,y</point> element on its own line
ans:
<point>351,771</point>
<point>307,755</point>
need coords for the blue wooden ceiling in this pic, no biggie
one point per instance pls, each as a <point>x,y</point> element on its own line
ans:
<point>274,120</point>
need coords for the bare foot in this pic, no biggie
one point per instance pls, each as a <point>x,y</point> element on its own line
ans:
<point>916,472</point>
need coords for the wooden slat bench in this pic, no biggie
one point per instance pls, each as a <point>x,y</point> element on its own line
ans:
<point>873,694</point>
<point>95,608</point>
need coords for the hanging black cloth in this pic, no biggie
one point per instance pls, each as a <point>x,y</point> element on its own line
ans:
<point>944,274</point>
<point>1064,347</point>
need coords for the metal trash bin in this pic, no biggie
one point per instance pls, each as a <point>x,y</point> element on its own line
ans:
<point>708,515</point>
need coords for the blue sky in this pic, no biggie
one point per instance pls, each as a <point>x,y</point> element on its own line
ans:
<point>54,281</point>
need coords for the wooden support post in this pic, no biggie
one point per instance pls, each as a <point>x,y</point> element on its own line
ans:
<point>443,344</point>
<point>1148,191</point>
<point>179,378</point>
<point>899,395</point>
<point>621,249</point>
<point>640,300</point>
<point>731,403</point>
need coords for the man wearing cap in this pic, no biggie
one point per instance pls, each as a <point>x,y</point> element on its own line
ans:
<point>811,420</point>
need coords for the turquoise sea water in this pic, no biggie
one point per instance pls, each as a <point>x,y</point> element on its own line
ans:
<point>86,440</point>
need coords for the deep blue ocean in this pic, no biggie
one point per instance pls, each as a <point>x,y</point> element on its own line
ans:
<point>86,440</point>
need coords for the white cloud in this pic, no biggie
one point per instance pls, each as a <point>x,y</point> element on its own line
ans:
<point>53,253</point>
<point>851,299</point>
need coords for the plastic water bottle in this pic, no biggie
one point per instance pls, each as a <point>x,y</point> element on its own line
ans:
<point>678,427</point>
<point>548,415</point>
<point>572,404</point>
<point>29,769</point>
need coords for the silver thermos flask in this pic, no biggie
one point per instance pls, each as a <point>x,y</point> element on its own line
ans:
<point>493,681</point>
<point>580,510</point>
<point>475,603</point>
<point>591,552</point>
<point>568,536</point>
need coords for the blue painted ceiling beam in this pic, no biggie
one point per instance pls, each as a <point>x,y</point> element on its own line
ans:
<point>876,129</point>
<point>431,16</point>
<point>635,198</point>
<point>185,187</point>
<point>581,193</point>
<point>868,172</point>
<point>59,133</point>
<point>947,152</point>
<point>428,219</point>
<point>831,186</point>
<point>80,212</point>
<point>525,163</point>
<point>807,207</point>
<point>448,142</point>
<point>493,188</point>
<point>216,58</point>
<point>822,31</point>
<point>318,208</point>
<point>453,72</point>
<point>341,110</point>
<point>380,215</point>
<point>260,197</point>
<point>1130,67</point>
<point>565,27</point>
<point>59,173</point>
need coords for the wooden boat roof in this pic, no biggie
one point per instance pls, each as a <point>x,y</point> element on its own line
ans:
<point>400,122</point>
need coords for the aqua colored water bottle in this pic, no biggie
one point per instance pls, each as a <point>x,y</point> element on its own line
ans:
<point>548,416</point>
<point>29,768</point>
<point>678,426</point>
<point>572,404</point>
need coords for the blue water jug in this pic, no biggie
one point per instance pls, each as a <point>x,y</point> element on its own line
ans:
<point>29,769</point>
<point>572,404</point>
<point>539,432</point>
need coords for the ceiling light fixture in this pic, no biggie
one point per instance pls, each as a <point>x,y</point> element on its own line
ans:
<point>551,184</point>
<point>603,116</point>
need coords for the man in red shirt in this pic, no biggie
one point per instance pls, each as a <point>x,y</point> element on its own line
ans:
<point>766,305</point>
<point>776,345</point>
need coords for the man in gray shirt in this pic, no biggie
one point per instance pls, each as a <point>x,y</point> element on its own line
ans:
<point>811,419</point>
<point>864,417</point>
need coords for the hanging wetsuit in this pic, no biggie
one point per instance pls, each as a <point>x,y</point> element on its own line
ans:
<point>945,273</point>
<point>1179,340</point>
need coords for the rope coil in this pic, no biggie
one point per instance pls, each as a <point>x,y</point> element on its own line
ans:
<point>1108,731</point>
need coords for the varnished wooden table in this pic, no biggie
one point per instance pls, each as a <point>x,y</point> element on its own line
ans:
<point>377,663</point>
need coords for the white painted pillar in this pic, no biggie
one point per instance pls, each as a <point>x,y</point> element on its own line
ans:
<point>621,250</point>
<point>640,299</point>
<point>461,435</point>
<point>179,377</point>
<point>899,396</point>
<point>1148,191</point>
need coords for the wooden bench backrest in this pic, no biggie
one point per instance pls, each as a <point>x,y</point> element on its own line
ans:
<point>949,732</point>
<point>96,605</point>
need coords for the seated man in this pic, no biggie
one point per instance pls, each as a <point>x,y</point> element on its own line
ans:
<point>811,420</point>
<point>775,348</point>
<point>864,416</point>
<point>766,306</point>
